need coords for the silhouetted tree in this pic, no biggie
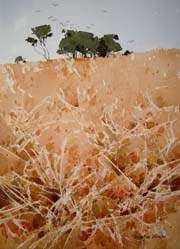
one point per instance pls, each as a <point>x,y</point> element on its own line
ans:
<point>39,43</point>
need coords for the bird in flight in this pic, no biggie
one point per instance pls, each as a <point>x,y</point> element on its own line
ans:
<point>54,19</point>
<point>63,24</point>
<point>130,41</point>
<point>37,11</point>
<point>50,17</point>
<point>55,4</point>
<point>104,11</point>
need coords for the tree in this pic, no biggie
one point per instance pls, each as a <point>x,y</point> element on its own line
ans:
<point>39,43</point>
<point>102,48</point>
<point>19,59</point>
<point>86,44</point>
<point>110,41</point>
<point>78,42</point>
<point>68,44</point>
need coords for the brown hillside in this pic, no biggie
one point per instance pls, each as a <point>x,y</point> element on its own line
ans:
<point>105,130</point>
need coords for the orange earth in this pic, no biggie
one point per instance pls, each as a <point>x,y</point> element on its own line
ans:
<point>90,152</point>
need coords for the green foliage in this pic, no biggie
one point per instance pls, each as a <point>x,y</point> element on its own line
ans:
<point>41,34</point>
<point>68,44</point>
<point>86,44</point>
<point>102,48</point>
<point>32,41</point>
<point>19,59</point>
<point>112,45</point>
<point>78,42</point>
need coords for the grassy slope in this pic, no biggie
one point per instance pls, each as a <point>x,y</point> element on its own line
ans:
<point>94,85</point>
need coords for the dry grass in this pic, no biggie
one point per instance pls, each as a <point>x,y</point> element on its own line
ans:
<point>118,196</point>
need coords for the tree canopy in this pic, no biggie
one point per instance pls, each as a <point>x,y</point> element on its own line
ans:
<point>41,34</point>
<point>88,45</point>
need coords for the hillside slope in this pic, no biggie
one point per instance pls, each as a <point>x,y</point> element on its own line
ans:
<point>104,130</point>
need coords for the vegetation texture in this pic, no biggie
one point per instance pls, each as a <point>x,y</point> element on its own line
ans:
<point>118,197</point>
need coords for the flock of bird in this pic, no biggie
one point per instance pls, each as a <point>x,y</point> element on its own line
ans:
<point>67,23</point>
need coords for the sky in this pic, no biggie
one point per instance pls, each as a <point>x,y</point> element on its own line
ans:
<point>141,24</point>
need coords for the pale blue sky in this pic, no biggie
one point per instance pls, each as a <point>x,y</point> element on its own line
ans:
<point>141,24</point>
